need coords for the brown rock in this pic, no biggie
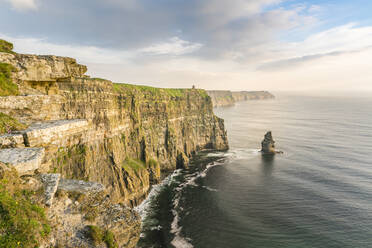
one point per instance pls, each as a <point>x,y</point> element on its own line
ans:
<point>268,144</point>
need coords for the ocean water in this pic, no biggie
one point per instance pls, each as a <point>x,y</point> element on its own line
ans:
<point>317,194</point>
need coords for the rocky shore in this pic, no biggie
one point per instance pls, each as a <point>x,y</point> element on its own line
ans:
<point>87,150</point>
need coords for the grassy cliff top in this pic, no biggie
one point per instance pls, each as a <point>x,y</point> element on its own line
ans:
<point>5,46</point>
<point>171,92</point>
<point>7,87</point>
<point>8,124</point>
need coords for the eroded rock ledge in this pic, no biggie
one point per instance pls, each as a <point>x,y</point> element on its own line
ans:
<point>94,132</point>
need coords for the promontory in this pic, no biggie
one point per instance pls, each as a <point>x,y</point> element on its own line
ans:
<point>78,153</point>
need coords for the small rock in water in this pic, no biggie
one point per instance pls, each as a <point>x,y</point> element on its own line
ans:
<point>268,145</point>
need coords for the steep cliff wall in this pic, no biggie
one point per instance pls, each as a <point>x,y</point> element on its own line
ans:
<point>229,98</point>
<point>122,136</point>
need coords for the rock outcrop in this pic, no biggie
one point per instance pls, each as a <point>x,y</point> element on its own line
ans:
<point>222,98</point>
<point>50,182</point>
<point>268,145</point>
<point>24,160</point>
<point>120,136</point>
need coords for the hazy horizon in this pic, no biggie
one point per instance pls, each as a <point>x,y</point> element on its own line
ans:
<point>274,45</point>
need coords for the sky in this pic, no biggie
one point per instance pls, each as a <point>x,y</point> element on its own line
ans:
<point>277,45</point>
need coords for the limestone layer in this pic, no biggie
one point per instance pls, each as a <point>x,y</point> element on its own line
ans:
<point>123,137</point>
<point>222,98</point>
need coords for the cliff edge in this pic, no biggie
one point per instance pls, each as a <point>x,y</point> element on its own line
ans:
<point>222,98</point>
<point>91,131</point>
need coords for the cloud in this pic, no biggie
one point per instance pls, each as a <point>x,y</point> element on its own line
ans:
<point>224,28</point>
<point>82,53</point>
<point>239,44</point>
<point>292,62</point>
<point>175,46</point>
<point>23,4</point>
<point>337,41</point>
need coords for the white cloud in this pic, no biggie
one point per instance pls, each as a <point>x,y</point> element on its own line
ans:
<point>341,40</point>
<point>23,4</point>
<point>84,54</point>
<point>174,46</point>
<point>334,59</point>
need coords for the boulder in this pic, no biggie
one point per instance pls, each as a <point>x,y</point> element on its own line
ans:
<point>80,186</point>
<point>50,184</point>
<point>24,160</point>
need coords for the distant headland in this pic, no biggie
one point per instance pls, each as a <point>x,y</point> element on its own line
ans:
<point>229,98</point>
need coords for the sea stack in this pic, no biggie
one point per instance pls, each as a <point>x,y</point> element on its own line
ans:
<point>268,145</point>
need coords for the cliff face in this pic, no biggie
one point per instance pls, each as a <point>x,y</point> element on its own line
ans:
<point>229,98</point>
<point>123,137</point>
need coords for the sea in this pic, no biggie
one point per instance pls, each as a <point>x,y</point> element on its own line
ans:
<point>317,194</point>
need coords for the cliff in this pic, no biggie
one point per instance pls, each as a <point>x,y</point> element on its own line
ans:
<point>229,98</point>
<point>91,131</point>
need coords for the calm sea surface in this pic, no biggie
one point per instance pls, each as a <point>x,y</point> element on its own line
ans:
<point>317,194</point>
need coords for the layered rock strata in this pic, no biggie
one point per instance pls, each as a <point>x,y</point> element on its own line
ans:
<point>24,160</point>
<point>222,98</point>
<point>120,136</point>
<point>268,145</point>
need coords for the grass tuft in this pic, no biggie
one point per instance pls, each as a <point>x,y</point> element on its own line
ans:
<point>132,164</point>
<point>7,87</point>
<point>9,124</point>
<point>22,223</point>
<point>109,239</point>
<point>98,236</point>
<point>5,46</point>
<point>152,162</point>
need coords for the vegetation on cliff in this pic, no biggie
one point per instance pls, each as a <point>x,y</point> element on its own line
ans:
<point>172,92</point>
<point>98,236</point>
<point>9,124</point>
<point>22,223</point>
<point>131,164</point>
<point>229,98</point>
<point>5,46</point>
<point>7,87</point>
<point>119,136</point>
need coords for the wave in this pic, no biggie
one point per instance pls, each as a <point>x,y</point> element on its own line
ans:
<point>144,208</point>
<point>237,154</point>
<point>210,189</point>
<point>178,180</point>
<point>179,241</point>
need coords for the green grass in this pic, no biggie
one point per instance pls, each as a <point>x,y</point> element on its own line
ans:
<point>7,123</point>
<point>109,239</point>
<point>7,87</point>
<point>99,79</point>
<point>157,92</point>
<point>172,92</point>
<point>98,236</point>
<point>5,46</point>
<point>152,163</point>
<point>132,164</point>
<point>22,223</point>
